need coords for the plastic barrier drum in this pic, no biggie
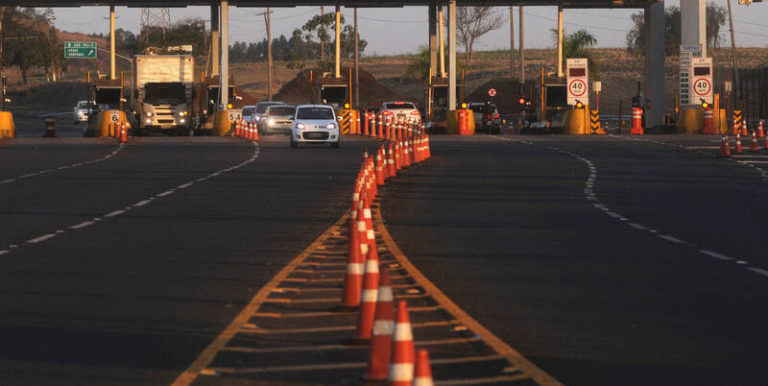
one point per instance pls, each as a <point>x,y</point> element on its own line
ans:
<point>637,121</point>
<point>7,127</point>
<point>709,122</point>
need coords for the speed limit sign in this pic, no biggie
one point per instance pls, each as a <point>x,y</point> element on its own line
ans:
<point>701,87</point>
<point>576,81</point>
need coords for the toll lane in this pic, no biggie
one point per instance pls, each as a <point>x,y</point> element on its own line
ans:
<point>506,230</point>
<point>134,299</point>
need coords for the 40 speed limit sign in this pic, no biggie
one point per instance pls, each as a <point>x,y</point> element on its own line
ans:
<point>701,87</point>
<point>577,81</point>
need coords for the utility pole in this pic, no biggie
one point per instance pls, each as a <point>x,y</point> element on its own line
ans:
<point>736,88</point>
<point>357,65</point>
<point>337,71</point>
<point>511,41</point>
<point>269,53</point>
<point>522,51</point>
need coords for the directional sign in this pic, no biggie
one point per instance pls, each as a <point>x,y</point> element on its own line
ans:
<point>491,92</point>
<point>701,81</point>
<point>576,81</point>
<point>80,50</point>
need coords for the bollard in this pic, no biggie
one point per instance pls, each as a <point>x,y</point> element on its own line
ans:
<point>50,128</point>
<point>461,119</point>
<point>637,121</point>
<point>709,122</point>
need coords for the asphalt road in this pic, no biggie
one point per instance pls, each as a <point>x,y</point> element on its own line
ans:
<point>603,260</point>
<point>121,271</point>
<point>653,274</point>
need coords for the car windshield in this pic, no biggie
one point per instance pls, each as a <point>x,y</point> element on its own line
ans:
<point>248,111</point>
<point>281,110</point>
<point>400,106</point>
<point>314,113</point>
<point>262,107</point>
<point>84,105</point>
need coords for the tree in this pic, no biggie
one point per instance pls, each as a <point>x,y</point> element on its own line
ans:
<point>29,40</point>
<point>576,45</point>
<point>715,17</point>
<point>185,32</point>
<point>474,22</point>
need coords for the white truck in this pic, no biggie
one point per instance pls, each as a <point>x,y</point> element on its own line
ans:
<point>164,93</point>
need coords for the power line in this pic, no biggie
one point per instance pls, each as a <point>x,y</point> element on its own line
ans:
<point>576,24</point>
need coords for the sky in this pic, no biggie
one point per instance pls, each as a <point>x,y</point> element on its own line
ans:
<point>402,30</point>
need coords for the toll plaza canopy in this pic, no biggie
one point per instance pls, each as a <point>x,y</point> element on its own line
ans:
<point>345,3</point>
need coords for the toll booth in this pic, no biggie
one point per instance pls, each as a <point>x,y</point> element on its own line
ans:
<point>437,100</point>
<point>332,91</point>
<point>108,93</point>
<point>551,106</point>
<point>206,100</point>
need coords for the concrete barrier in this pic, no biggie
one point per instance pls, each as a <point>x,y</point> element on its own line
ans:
<point>7,127</point>
<point>221,124</point>
<point>576,121</point>
<point>690,121</point>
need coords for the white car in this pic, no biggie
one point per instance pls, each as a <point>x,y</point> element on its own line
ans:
<point>259,109</point>
<point>277,119</point>
<point>315,124</point>
<point>80,113</point>
<point>401,110</point>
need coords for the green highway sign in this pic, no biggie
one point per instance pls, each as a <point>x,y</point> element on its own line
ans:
<point>80,50</point>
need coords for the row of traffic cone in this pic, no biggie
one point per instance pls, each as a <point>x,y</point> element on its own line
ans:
<point>391,128</point>
<point>745,131</point>
<point>247,130</point>
<point>725,147</point>
<point>121,132</point>
<point>367,285</point>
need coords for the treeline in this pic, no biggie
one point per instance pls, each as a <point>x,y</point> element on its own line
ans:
<point>29,40</point>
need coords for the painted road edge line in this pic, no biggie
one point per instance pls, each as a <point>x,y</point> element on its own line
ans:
<point>209,353</point>
<point>491,339</point>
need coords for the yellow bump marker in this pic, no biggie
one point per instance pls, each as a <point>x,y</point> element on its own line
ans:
<point>208,372</point>
<point>250,325</point>
<point>459,328</point>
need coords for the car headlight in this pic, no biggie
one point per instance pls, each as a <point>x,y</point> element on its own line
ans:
<point>182,113</point>
<point>182,120</point>
<point>271,122</point>
<point>299,125</point>
<point>149,113</point>
<point>330,126</point>
<point>257,118</point>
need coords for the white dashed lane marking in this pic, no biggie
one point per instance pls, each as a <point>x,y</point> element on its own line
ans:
<point>141,203</point>
<point>41,172</point>
<point>591,196</point>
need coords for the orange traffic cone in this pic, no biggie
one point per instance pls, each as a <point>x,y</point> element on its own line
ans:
<point>735,128</point>
<point>407,153</point>
<point>725,148</point>
<point>753,142</point>
<point>383,326</point>
<point>123,133</point>
<point>422,376</point>
<point>370,291</point>
<point>738,143</point>
<point>391,161</point>
<point>353,279</point>
<point>428,151</point>
<point>255,132</point>
<point>379,168</point>
<point>398,156</point>
<point>760,131</point>
<point>744,127</point>
<point>401,365</point>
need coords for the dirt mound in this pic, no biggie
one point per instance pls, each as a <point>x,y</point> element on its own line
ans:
<point>51,96</point>
<point>507,94</point>
<point>299,89</point>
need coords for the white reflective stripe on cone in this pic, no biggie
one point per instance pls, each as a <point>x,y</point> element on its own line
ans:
<point>403,332</point>
<point>370,235</point>
<point>372,266</point>
<point>369,296</point>
<point>383,327</point>
<point>385,294</point>
<point>423,381</point>
<point>355,268</point>
<point>400,372</point>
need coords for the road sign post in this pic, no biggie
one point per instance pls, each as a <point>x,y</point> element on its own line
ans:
<point>577,79</point>
<point>80,50</point>
<point>701,84</point>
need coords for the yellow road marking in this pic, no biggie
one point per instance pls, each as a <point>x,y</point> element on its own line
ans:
<point>202,361</point>
<point>337,366</point>
<point>492,340</point>
<point>290,315</point>
<point>346,327</point>
<point>481,381</point>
